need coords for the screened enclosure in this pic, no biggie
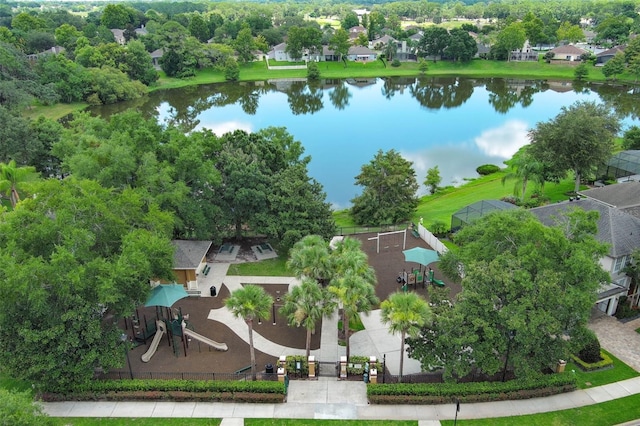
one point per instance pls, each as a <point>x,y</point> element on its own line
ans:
<point>477,210</point>
<point>622,164</point>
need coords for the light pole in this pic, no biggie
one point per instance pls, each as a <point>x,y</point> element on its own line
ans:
<point>123,339</point>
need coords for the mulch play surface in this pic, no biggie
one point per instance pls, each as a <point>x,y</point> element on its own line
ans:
<point>201,358</point>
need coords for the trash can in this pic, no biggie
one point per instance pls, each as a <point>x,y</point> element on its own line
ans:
<point>213,290</point>
<point>268,369</point>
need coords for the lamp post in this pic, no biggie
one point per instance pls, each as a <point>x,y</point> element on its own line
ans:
<point>123,339</point>
<point>512,334</point>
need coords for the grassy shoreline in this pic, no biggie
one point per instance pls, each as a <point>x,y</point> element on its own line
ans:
<point>257,71</point>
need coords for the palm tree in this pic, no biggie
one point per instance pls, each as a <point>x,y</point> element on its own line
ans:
<point>249,303</point>
<point>405,313</point>
<point>352,282</point>
<point>12,178</point>
<point>356,295</point>
<point>526,169</point>
<point>305,305</point>
<point>309,257</point>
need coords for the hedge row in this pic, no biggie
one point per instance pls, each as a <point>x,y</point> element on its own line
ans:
<point>177,390</point>
<point>439,393</point>
<point>585,366</point>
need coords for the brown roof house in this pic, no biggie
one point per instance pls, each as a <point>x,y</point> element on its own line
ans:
<point>568,52</point>
<point>606,55</point>
<point>189,261</point>
<point>619,230</point>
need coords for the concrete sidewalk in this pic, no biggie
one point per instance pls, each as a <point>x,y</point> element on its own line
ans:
<point>328,398</point>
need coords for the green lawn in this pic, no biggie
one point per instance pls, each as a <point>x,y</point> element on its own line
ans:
<point>620,371</point>
<point>265,268</point>
<point>607,413</point>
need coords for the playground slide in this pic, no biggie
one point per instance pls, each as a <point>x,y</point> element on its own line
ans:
<point>160,327</point>
<point>439,283</point>
<point>199,337</point>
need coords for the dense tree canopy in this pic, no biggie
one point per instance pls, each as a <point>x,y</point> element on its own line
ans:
<point>389,190</point>
<point>74,258</point>
<point>527,292</point>
<point>578,139</point>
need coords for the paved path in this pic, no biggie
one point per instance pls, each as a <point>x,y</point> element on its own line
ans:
<point>328,398</point>
<point>619,338</point>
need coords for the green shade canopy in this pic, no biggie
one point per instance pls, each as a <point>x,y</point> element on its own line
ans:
<point>421,255</point>
<point>166,295</point>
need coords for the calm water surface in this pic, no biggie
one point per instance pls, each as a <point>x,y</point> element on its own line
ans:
<point>456,124</point>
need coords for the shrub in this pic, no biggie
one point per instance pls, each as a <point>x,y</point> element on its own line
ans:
<point>395,63</point>
<point>590,352</point>
<point>439,228</point>
<point>604,362</point>
<point>439,393</point>
<point>624,310</point>
<point>313,72</point>
<point>487,169</point>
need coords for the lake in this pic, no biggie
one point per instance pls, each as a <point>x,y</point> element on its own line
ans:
<point>457,124</point>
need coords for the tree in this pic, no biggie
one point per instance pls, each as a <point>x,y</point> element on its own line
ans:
<point>614,29</point>
<point>433,179</point>
<point>511,38</point>
<point>198,28</point>
<point>13,178</point>
<point>350,20</point>
<point>534,28</point>
<point>631,138</point>
<point>581,72</point>
<point>524,168</point>
<point>527,290</point>
<point>116,16</point>
<point>577,139</point>
<point>110,85</point>
<point>250,302</point>
<point>66,36</point>
<point>389,194</point>
<point>245,45</point>
<point>313,73</point>
<point>433,42</point>
<point>18,409</point>
<point>570,33</point>
<point>305,305</point>
<point>634,66</point>
<point>69,78</point>
<point>139,63</point>
<point>340,43</point>
<point>405,313</point>
<point>614,66</point>
<point>423,66</point>
<point>462,47</point>
<point>73,260</point>
<point>309,258</point>
<point>352,282</point>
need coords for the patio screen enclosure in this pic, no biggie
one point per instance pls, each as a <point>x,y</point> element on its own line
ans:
<point>475,211</point>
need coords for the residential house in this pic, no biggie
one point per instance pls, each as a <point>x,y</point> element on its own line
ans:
<point>524,54</point>
<point>354,32</point>
<point>624,196</point>
<point>118,35</point>
<point>605,55</point>
<point>402,51</point>
<point>356,53</point>
<point>618,230</point>
<point>361,54</point>
<point>567,52</point>
<point>155,57</point>
<point>53,51</point>
<point>189,260</point>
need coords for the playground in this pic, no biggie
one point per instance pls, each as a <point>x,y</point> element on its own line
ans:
<point>386,258</point>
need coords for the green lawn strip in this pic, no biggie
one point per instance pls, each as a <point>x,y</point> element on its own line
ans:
<point>302,422</point>
<point>607,413</point>
<point>110,421</point>
<point>8,383</point>
<point>265,268</point>
<point>589,379</point>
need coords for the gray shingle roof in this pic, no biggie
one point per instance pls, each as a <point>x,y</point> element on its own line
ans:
<point>616,228</point>
<point>188,254</point>
<point>621,195</point>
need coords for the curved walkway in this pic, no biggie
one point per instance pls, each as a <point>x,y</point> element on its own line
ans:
<point>328,398</point>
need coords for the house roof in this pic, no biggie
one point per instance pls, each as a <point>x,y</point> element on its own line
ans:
<point>612,51</point>
<point>568,49</point>
<point>384,40</point>
<point>616,228</point>
<point>621,195</point>
<point>157,53</point>
<point>189,254</point>
<point>360,50</point>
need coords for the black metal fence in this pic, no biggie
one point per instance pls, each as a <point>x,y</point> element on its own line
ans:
<point>352,230</point>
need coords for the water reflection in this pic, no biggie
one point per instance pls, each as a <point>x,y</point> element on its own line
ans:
<point>455,123</point>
